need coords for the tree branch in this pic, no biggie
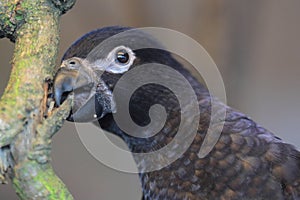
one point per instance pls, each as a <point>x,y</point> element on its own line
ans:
<point>25,134</point>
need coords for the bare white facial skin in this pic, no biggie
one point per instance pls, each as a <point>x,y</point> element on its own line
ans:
<point>118,60</point>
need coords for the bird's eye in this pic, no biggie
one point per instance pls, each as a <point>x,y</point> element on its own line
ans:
<point>122,56</point>
<point>120,59</point>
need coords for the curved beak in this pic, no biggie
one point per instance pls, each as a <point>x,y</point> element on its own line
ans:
<point>92,97</point>
<point>64,82</point>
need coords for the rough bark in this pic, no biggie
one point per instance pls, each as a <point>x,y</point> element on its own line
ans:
<point>26,128</point>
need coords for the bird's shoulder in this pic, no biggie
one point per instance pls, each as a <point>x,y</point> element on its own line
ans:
<point>252,157</point>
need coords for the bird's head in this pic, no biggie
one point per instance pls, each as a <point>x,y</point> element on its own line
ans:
<point>93,65</point>
<point>124,80</point>
<point>93,95</point>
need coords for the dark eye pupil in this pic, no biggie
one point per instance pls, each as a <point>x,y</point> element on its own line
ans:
<point>122,56</point>
<point>72,63</point>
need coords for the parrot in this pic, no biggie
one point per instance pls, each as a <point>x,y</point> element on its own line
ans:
<point>246,162</point>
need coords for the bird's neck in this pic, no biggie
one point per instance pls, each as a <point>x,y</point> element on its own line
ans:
<point>158,166</point>
<point>141,102</point>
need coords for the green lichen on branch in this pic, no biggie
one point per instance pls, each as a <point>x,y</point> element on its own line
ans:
<point>43,179</point>
<point>33,25</point>
<point>13,14</point>
<point>11,18</point>
<point>34,177</point>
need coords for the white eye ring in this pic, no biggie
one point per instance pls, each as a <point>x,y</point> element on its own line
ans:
<point>121,58</point>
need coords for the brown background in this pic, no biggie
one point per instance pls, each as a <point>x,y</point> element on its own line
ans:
<point>255,44</point>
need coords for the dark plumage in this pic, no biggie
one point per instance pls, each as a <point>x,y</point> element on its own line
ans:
<point>248,162</point>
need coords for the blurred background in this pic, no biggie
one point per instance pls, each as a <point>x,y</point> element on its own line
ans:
<point>255,45</point>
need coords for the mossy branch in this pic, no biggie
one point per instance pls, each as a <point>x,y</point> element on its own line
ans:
<point>25,134</point>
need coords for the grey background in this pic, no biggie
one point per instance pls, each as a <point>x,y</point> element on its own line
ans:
<point>255,44</point>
